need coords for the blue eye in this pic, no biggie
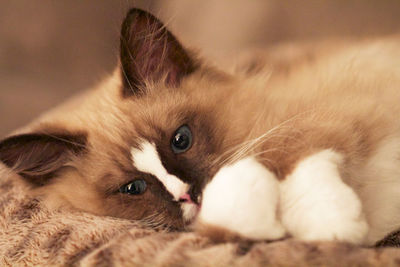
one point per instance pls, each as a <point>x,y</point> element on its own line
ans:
<point>181,140</point>
<point>136,187</point>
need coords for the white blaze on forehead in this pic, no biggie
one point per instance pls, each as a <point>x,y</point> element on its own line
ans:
<point>146,159</point>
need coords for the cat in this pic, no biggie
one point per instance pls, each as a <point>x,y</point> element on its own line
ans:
<point>301,143</point>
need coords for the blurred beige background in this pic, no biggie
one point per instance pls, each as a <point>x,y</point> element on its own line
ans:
<point>50,49</point>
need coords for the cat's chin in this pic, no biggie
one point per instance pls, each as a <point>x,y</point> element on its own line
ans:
<point>190,212</point>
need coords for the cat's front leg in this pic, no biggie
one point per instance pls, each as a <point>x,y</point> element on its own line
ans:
<point>316,204</point>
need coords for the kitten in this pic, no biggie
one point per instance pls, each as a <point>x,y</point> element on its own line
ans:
<point>300,143</point>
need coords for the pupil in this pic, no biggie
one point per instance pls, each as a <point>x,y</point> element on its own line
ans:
<point>136,187</point>
<point>181,140</point>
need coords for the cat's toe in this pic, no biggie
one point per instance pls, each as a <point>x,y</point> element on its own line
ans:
<point>241,201</point>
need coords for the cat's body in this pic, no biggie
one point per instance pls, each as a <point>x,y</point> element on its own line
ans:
<point>305,145</point>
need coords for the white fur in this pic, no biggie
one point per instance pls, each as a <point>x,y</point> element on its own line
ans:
<point>243,198</point>
<point>380,190</point>
<point>189,211</point>
<point>317,205</point>
<point>146,159</point>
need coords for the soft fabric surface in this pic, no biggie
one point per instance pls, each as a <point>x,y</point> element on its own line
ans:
<point>30,235</point>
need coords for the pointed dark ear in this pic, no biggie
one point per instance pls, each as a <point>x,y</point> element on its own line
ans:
<point>149,52</point>
<point>37,157</point>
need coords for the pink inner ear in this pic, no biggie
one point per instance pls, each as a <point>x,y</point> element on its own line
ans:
<point>149,52</point>
<point>186,198</point>
<point>157,57</point>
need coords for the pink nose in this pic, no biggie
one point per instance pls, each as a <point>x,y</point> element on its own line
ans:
<point>186,198</point>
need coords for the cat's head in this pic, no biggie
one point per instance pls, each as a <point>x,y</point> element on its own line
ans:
<point>141,148</point>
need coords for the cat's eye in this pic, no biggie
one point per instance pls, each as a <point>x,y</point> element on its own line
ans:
<point>181,140</point>
<point>136,187</point>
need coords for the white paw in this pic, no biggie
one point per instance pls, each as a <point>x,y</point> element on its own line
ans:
<point>317,205</point>
<point>243,198</point>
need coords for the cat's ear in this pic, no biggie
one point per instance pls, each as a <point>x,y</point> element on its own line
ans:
<point>149,52</point>
<point>38,156</point>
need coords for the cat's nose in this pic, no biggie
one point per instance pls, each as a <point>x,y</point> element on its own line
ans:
<point>186,198</point>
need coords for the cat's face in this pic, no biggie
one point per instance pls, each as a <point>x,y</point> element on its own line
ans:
<point>170,131</point>
<point>164,150</point>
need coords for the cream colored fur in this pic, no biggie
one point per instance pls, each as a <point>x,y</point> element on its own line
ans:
<point>342,98</point>
<point>31,235</point>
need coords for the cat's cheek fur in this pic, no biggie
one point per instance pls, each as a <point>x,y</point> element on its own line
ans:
<point>242,198</point>
<point>317,205</point>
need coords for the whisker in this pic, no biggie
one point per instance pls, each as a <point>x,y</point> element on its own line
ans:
<point>245,147</point>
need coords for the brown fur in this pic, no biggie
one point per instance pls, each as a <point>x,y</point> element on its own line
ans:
<point>80,239</point>
<point>218,234</point>
<point>344,98</point>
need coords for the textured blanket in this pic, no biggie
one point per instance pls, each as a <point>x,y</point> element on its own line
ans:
<point>30,235</point>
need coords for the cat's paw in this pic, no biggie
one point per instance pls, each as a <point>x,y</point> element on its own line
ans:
<point>241,201</point>
<point>317,205</point>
